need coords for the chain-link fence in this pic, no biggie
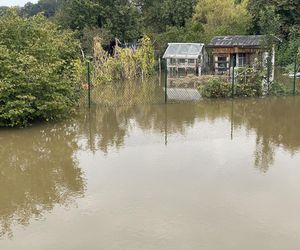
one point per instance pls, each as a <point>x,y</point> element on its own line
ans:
<point>134,92</point>
<point>170,88</point>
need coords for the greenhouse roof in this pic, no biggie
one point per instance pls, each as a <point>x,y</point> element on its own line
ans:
<point>184,50</point>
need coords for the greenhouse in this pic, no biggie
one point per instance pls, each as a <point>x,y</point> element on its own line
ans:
<point>185,57</point>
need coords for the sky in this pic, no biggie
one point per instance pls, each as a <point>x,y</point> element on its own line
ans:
<point>15,2</point>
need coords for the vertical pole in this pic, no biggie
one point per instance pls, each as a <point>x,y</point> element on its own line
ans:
<point>273,64</point>
<point>166,125</point>
<point>166,84</point>
<point>159,66</point>
<point>295,69</point>
<point>89,82</point>
<point>232,78</point>
<point>232,122</point>
<point>268,71</point>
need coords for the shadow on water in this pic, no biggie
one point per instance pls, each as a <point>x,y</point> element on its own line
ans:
<point>37,171</point>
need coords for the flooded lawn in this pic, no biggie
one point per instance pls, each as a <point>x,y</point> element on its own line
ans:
<point>206,175</point>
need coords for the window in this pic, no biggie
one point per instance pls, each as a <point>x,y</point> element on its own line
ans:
<point>191,61</point>
<point>172,61</point>
<point>241,60</point>
<point>222,58</point>
<point>221,63</point>
<point>222,66</point>
<point>181,61</point>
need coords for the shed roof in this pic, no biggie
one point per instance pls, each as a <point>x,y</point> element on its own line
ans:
<point>184,50</point>
<point>237,41</point>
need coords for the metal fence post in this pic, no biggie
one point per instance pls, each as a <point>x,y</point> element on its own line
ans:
<point>166,83</point>
<point>89,82</point>
<point>233,76</point>
<point>295,69</point>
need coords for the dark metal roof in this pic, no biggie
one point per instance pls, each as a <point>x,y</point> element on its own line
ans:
<point>236,41</point>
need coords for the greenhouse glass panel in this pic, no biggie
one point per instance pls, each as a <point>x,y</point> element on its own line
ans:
<point>183,50</point>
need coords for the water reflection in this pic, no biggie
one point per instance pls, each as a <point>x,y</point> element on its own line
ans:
<point>274,120</point>
<point>37,171</point>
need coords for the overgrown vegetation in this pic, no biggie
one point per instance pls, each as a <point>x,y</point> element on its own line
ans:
<point>125,64</point>
<point>38,70</point>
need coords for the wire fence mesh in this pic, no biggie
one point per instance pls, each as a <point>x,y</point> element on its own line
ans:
<point>181,88</point>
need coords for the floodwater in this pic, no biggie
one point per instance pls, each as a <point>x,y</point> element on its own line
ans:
<point>208,175</point>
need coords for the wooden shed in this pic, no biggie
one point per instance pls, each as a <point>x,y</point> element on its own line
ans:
<point>186,57</point>
<point>242,49</point>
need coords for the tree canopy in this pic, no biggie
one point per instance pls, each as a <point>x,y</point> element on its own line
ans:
<point>170,20</point>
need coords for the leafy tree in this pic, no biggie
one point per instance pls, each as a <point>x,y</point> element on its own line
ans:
<point>288,12</point>
<point>48,7</point>
<point>121,17</point>
<point>222,17</point>
<point>37,62</point>
<point>77,14</point>
<point>159,14</point>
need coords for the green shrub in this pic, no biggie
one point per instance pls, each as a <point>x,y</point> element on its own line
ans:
<point>248,90</point>
<point>278,88</point>
<point>215,89</point>
<point>248,83</point>
<point>37,70</point>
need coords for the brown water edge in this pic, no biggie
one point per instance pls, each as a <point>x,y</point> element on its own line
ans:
<point>216,174</point>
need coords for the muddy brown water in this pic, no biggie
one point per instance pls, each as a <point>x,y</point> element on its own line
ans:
<point>206,175</point>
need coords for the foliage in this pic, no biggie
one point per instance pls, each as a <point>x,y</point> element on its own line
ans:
<point>286,11</point>
<point>278,88</point>
<point>48,7</point>
<point>286,52</point>
<point>222,17</point>
<point>37,62</point>
<point>120,18</point>
<point>173,20</point>
<point>3,9</point>
<point>249,81</point>
<point>216,89</point>
<point>77,14</point>
<point>125,64</point>
<point>88,35</point>
<point>160,14</point>
<point>144,56</point>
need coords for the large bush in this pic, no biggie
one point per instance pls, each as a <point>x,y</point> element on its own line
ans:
<point>37,70</point>
<point>216,89</point>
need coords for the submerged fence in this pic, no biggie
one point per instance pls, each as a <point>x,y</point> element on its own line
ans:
<point>167,88</point>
